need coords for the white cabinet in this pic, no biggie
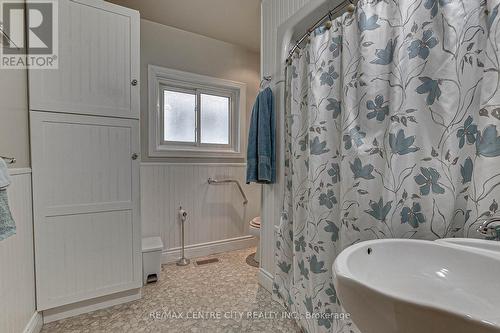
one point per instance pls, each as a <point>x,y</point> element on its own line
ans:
<point>86,207</point>
<point>98,71</point>
<point>85,147</point>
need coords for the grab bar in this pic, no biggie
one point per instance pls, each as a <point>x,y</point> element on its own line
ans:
<point>225,181</point>
<point>9,160</point>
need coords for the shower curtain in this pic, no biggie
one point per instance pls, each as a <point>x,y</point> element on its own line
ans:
<point>391,132</point>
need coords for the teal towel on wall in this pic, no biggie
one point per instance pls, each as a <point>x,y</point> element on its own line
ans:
<point>7,225</point>
<point>261,163</point>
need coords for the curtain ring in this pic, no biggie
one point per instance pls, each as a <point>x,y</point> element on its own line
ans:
<point>328,24</point>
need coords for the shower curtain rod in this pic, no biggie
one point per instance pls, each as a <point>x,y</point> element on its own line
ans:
<point>345,3</point>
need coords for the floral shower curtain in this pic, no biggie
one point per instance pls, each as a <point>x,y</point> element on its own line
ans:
<point>391,132</point>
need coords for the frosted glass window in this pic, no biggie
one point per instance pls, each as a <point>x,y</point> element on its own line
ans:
<point>214,119</point>
<point>194,116</point>
<point>179,114</point>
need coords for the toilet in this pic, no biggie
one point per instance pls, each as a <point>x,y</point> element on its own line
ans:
<point>254,229</point>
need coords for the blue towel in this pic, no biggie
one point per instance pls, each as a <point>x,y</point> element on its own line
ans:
<point>7,225</point>
<point>261,151</point>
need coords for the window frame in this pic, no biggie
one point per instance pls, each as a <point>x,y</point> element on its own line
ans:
<point>161,79</point>
<point>197,92</point>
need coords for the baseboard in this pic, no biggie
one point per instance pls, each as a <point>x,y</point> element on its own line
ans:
<point>78,308</point>
<point>35,324</point>
<point>205,249</point>
<point>266,280</point>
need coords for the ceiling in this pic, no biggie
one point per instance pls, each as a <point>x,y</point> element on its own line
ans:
<point>232,21</point>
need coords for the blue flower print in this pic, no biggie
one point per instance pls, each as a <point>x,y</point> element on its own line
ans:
<point>466,170</point>
<point>317,147</point>
<point>300,244</point>
<point>333,229</point>
<point>488,142</point>
<point>355,136</point>
<point>400,144</point>
<point>422,47</point>
<point>430,87</point>
<point>378,210</point>
<point>413,216</point>
<point>386,55</point>
<point>367,23</point>
<point>433,5</point>
<point>468,132</point>
<point>428,179</point>
<point>329,77</point>
<point>303,270</point>
<point>336,46</point>
<point>378,109</point>
<point>334,172</point>
<point>335,106</point>
<point>361,171</point>
<point>327,199</point>
<point>316,266</point>
<point>285,268</point>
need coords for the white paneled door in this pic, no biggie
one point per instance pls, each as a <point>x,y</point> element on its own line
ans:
<point>98,62</point>
<point>85,157</point>
<point>86,206</point>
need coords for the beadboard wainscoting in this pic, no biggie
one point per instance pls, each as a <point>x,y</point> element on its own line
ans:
<point>217,218</point>
<point>274,13</point>
<point>17,273</point>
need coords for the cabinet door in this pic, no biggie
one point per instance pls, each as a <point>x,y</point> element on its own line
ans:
<point>98,62</point>
<point>86,206</point>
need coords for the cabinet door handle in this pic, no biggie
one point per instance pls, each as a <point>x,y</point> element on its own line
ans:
<point>135,156</point>
<point>134,82</point>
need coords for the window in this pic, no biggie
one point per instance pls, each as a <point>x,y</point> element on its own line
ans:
<point>193,115</point>
<point>179,116</point>
<point>183,110</point>
<point>215,119</point>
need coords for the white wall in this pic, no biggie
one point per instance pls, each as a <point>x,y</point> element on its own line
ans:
<point>14,125</point>
<point>274,13</point>
<point>218,220</point>
<point>17,273</point>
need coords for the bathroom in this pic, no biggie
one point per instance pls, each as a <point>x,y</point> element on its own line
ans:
<point>249,166</point>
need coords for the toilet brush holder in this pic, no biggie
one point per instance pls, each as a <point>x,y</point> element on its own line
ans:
<point>183,261</point>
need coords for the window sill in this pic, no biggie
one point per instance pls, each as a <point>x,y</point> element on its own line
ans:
<point>195,153</point>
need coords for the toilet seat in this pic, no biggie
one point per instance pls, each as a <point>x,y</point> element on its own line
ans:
<point>254,225</point>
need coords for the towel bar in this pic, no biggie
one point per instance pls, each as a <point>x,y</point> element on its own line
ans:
<point>9,160</point>
<point>225,181</point>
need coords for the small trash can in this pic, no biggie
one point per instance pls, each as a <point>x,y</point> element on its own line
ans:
<point>152,248</point>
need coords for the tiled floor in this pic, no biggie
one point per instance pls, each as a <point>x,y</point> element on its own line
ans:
<point>227,289</point>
